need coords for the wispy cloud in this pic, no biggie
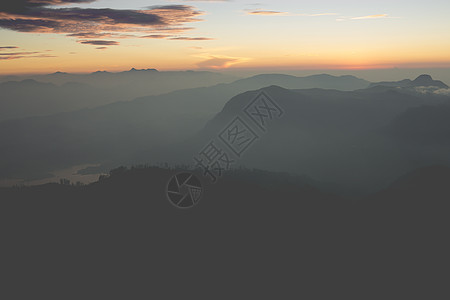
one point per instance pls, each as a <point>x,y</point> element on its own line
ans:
<point>282,13</point>
<point>14,52</point>
<point>265,12</point>
<point>98,42</point>
<point>176,38</point>
<point>445,92</point>
<point>90,35</point>
<point>156,36</point>
<point>433,90</point>
<point>219,62</point>
<point>185,38</point>
<point>8,47</point>
<point>16,55</point>
<point>25,54</point>
<point>379,16</point>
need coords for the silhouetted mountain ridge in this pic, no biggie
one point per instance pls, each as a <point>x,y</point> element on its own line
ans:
<point>421,81</point>
<point>324,81</point>
<point>332,136</point>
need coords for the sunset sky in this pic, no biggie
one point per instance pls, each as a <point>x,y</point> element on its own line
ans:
<point>39,36</point>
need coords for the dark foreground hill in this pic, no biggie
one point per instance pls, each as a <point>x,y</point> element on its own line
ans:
<point>253,235</point>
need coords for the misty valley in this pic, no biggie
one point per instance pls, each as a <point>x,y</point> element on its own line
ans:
<point>344,133</point>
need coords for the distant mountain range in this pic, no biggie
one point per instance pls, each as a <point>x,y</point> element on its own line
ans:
<point>142,81</point>
<point>137,125</point>
<point>323,81</point>
<point>43,95</point>
<point>20,99</point>
<point>422,80</point>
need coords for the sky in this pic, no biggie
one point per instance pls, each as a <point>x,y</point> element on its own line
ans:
<point>44,36</point>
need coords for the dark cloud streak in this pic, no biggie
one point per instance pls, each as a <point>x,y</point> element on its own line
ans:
<point>98,42</point>
<point>22,6</point>
<point>23,54</point>
<point>44,16</point>
<point>184,38</point>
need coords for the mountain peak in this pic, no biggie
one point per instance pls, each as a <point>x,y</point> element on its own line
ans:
<point>427,80</point>
<point>423,78</point>
<point>140,70</point>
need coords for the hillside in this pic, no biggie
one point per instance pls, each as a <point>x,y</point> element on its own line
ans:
<point>125,223</point>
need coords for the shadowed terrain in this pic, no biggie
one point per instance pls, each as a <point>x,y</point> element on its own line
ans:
<point>253,227</point>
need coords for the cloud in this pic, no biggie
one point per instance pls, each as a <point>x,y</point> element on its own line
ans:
<point>219,62</point>
<point>433,90</point>
<point>368,17</point>
<point>445,92</point>
<point>281,13</point>
<point>265,12</point>
<point>20,6</point>
<point>16,53</point>
<point>90,35</point>
<point>184,38</point>
<point>25,56</point>
<point>21,54</point>
<point>47,16</point>
<point>177,38</point>
<point>156,36</point>
<point>379,16</point>
<point>98,42</point>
